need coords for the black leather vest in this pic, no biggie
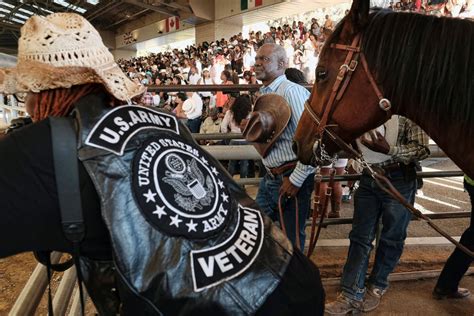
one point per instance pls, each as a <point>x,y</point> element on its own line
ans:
<point>183,232</point>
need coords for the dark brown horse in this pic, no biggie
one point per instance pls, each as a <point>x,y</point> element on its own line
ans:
<point>422,66</point>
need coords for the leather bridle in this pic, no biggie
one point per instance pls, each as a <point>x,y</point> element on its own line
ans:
<point>340,86</point>
<point>343,80</point>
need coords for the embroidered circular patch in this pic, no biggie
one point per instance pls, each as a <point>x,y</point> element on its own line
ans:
<point>178,190</point>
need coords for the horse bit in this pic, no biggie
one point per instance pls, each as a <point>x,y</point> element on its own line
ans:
<point>323,158</point>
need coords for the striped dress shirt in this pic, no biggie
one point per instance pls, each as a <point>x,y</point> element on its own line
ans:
<point>282,152</point>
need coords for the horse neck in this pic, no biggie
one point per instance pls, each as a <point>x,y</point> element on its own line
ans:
<point>449,137</point>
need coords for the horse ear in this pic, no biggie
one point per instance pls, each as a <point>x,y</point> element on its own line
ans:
<point>358,17</point>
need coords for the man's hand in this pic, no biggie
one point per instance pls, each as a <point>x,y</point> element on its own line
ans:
<point>377,143</point>
<point>287,188</point>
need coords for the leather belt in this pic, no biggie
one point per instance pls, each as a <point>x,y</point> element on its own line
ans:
<point>281,169</point>
<point>391,167</point>
<point>384,169</point>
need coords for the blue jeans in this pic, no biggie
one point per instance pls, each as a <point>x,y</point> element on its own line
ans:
<point>243,167</point>
<point>370,205</point>
<point>267,199</point>
<point>459,262</point>
<point>194,125</point>
<point>243,164</point>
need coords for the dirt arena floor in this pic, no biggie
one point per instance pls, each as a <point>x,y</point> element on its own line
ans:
<point>404,297</point>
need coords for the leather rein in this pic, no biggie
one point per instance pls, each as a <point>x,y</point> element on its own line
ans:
<point>343,79</point>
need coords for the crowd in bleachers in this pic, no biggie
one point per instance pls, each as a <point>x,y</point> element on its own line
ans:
<point>230,61</point>
<point>301,41</point>
<point>227,62</point>
<point>452,8</point>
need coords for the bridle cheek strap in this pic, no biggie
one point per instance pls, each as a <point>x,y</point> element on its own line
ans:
<point>340,86</point>
<point>340,79</point>
<point>384,103</point>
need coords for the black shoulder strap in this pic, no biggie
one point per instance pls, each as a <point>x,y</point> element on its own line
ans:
<point>67,177</point>
<point>67,182</point>
<point>66,171</point>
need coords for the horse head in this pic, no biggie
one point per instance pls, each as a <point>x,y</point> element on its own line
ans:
<point>343,101</point>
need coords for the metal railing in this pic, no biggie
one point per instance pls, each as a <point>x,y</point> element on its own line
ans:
<point>30,297</point>
<point>210,87</point>
<point>10,110</point>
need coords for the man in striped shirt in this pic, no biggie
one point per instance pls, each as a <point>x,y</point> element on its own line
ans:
<point>285,176</point>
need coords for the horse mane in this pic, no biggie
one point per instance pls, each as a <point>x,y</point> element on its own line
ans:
<point>425,62</point>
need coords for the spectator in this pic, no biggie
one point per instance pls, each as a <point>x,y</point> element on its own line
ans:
<point>234,76</point>
<point>193,76</point>
<point>211,125</point>
<point>393,147</point>
<point>147,99</point>
<point>328,24</point>
<point>248,58</point>
<point>286,177</point>
<point>221,98</point>
<point>295,76</point>
<point>156,99</point>
<point>315,28</point>
<point>239,111</point>
<point>178,110</point>
<point>246,77</point>
<point>309,58</point>
<point>192,108</point>
<point>458,263</point>
<point>298,59</point>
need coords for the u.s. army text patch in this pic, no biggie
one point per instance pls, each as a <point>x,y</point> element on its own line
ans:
<point>116,128</point>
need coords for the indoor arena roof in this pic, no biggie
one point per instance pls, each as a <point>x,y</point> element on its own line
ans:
<point>103,14</point>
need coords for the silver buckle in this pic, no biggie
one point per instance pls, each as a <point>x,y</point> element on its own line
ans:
<point>385,104</point>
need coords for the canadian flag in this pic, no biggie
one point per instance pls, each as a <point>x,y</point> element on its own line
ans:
<point>172,24</point>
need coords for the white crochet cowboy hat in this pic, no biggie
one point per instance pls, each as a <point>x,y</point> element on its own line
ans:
<point>62,50</point>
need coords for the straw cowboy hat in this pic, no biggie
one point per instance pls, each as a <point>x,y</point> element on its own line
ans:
<point>62,50</point>
<point>269,118</point>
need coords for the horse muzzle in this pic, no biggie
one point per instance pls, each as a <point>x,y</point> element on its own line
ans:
<point>320,156</point>
<point>303,154</point>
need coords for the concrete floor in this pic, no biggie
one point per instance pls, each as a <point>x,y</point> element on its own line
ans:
<point>414,298</point>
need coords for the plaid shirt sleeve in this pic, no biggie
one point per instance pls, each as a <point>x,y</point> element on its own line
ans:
<point>412,143</point>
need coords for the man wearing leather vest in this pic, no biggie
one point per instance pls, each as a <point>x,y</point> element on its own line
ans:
<point>165,224</point>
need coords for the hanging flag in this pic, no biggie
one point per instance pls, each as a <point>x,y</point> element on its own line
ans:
<point>128,38</point>
<point>249,4</point>
<point>172,24</point>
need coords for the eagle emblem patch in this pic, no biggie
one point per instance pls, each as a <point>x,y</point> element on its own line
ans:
<point>178,190</point>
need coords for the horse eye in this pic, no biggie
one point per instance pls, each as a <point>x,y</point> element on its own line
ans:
<point>321,74</point>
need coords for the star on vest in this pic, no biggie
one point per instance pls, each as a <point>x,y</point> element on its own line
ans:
<point>269,118</point>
